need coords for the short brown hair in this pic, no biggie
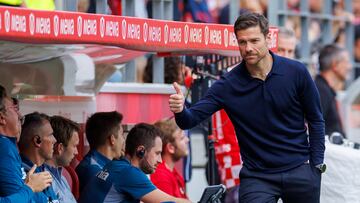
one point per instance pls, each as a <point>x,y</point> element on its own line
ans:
<point>249,19</point>
<point>63,129</point>
<point>32,124</point>
<point>167,127</point>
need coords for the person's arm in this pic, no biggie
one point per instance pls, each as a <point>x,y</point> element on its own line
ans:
<point>24,195</point>
<point>189,118</point>
<point>10,170</point>
<point>135,183</point>
<point>157,196</point>
<point>312,110</point>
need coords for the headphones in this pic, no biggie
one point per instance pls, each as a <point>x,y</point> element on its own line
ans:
<point>140,153</point>
<point>38,140</point>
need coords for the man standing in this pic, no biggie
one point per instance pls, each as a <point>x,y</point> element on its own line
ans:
<point>106,138</point>
<point>12,175</point>
<point>268,98</point>
<point>66,133</point>
<point>286,43</point>
<point>175,147</point>
<point>334,65</point>
<point>125,180</point>
<point>36,146</point>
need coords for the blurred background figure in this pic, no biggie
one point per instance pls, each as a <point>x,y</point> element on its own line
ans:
<point>286,42</point>
<point>175,71</point>
<point>334,66</point>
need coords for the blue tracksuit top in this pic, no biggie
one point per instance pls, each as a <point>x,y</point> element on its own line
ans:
<point>268,116</point>
<point>23,195</point>
<point>11,171</point>
<point>47,195</point>
<point>119,182</point>
<point>92,163</point>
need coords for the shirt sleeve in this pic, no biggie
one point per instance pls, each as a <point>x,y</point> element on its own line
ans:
<point>204,108</point>
<point>312,110</point>
<point>134,182</point>
<point>24,195</point>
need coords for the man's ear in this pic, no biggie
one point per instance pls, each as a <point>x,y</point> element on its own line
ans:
<point>36,141</point>
<point>112,139</point>
<point>59,148</point>
<point>2,118</point>
<point>170,148</point>
<point>334,66</point>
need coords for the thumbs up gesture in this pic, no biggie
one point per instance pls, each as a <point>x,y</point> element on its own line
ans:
<point>176,101</point>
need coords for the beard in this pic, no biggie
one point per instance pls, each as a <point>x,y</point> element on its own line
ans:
<point>146,167</point>
<point>179,154</point>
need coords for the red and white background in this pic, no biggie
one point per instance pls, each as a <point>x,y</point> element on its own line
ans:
<point>59,27</point>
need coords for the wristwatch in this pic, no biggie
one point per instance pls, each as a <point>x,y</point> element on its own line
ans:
<point>321,167</point>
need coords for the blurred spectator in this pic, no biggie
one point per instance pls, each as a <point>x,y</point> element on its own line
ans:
<point>197,11</point>
<point>175,71</point>
<point>315,6</point>
<point>357,50</point>
<point>83,5</point>
<point>115,6</point>
<point>356,11</point>
<point>286,42</point>
<point>335,66</point>
<point>92,6</point>
<point>357,44</point>
<point>339,11</point>
<point>253,6</point>
<point>66,133</point>
<point>293,5</point>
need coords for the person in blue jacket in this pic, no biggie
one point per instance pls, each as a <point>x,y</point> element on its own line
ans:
<point>13,187</point>
<point>105,135</point>
<point>268,99</point>
<point>36,146</point>
<point>35,183</point>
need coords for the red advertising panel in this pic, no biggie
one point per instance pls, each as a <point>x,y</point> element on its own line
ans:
<point>34,26</point>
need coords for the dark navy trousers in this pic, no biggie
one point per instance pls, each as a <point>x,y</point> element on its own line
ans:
<point>298,185</point>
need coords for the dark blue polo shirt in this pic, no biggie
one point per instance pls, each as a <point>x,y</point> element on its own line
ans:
<point>268,116</point>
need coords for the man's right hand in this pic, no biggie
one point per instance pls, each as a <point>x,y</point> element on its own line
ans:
<point>38,181</point>
<point>176,101</point>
